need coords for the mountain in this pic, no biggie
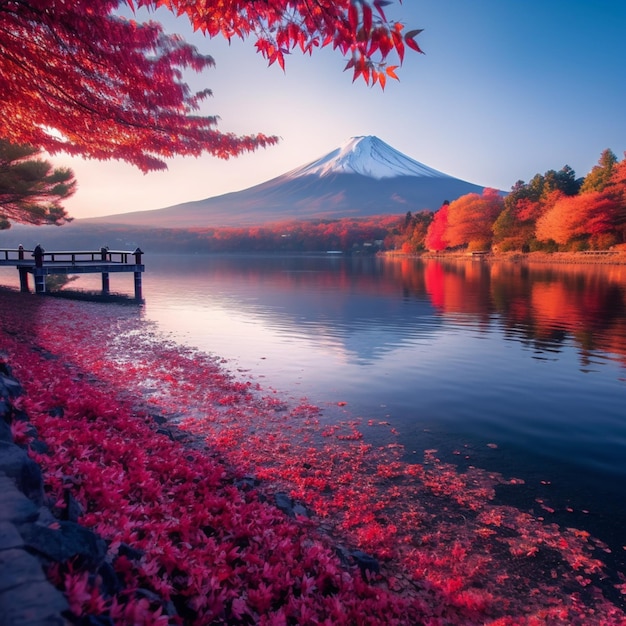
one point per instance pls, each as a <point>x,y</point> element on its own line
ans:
<point>363,177</point>
<point>367,156</point>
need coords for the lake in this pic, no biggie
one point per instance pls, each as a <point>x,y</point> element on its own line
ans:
<point>521,368</point>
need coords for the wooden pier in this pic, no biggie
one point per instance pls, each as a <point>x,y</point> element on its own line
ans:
<point>40,264</point>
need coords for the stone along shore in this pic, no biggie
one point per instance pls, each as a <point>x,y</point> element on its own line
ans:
<point>26,596</point>
<point>30,536</point>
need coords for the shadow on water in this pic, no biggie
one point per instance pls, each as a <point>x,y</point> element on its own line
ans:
<point>93,296</point>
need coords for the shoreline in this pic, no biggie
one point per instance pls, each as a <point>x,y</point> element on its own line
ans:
<point>352,491</point>
<point>600,257</point>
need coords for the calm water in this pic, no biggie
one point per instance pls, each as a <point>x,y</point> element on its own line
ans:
<point>455,356</point>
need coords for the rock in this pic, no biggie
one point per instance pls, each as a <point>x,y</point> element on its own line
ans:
<point>246,483</point>
<point>129,552</point>
<point>73,510</point>
<point>9,387</point>
<point>365,562</point>
<point>96,620</point>
<point>300,510</point>
<point>35,604</point>
<point>5,410</point>
<point>284,503</point>
<point>15,507</point>
<point>9,537</point>
<point>289,506</point>
<point>111,582</point>
<point>5,430</point>
<point>167,432</point>
<point>343,554</point>
<point>17,567</point>
<point>63,543</point>
<point>5,368</point>
<point>16,464</point>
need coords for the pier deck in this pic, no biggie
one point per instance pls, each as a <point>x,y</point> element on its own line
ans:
<point>40,264</point>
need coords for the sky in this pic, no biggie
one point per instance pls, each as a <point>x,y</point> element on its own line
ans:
<point>506,89</point>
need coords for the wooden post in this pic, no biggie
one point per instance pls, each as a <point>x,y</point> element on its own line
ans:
<point>38,254</point>
<point>40,281</point>
<point>23,279</point>
<point>138,295</point>
<point>104,253</point>
<point>138,252</point>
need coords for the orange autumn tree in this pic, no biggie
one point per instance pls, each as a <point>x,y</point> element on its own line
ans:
<point>471,218</point>
<point>616,187</point>
<point>77,78</point>
<point>588,220</point>
<point>594,218</point>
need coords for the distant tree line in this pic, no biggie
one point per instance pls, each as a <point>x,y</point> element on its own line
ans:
<point>350,235</point>
<point>553,211</point>
<point>356,235</point>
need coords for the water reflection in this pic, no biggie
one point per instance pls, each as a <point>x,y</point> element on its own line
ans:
<point>540,306</point>
<point>528,356</point>
<point>357,307</point>
<point>367,307</point>
<point>372,306</point>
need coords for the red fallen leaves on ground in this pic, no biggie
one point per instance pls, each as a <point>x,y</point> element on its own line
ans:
<point>221,554</point>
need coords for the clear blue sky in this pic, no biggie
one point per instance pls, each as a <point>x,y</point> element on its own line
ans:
<point>506,89</point>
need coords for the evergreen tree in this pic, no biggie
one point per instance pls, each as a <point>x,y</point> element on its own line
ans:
<point>600,175</point>
<point>564,181</point>
<point>31,190</point>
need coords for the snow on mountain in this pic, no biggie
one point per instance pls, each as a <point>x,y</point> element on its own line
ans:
<point>367,156</point>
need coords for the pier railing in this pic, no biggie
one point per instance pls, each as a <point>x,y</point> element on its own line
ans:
<point>12,256</point>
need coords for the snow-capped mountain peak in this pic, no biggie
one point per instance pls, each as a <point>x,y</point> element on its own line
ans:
<point>367,156</point>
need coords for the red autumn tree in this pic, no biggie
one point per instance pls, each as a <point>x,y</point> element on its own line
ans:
<point>471,218</point>
<point>74,77</point>
<point>618,176</point>
<point>435,239</point>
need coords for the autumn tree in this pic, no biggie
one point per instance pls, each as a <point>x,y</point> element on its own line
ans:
<point>435,239</point>
<point>514,229</point>
<point>77,78</point>
<point>31,189</point>
<point>414,231</point>
<point>618,177</point>
<point>596,216</point>
<point>617,187</point>
<point>587,219</point>
<point>471,218</point>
